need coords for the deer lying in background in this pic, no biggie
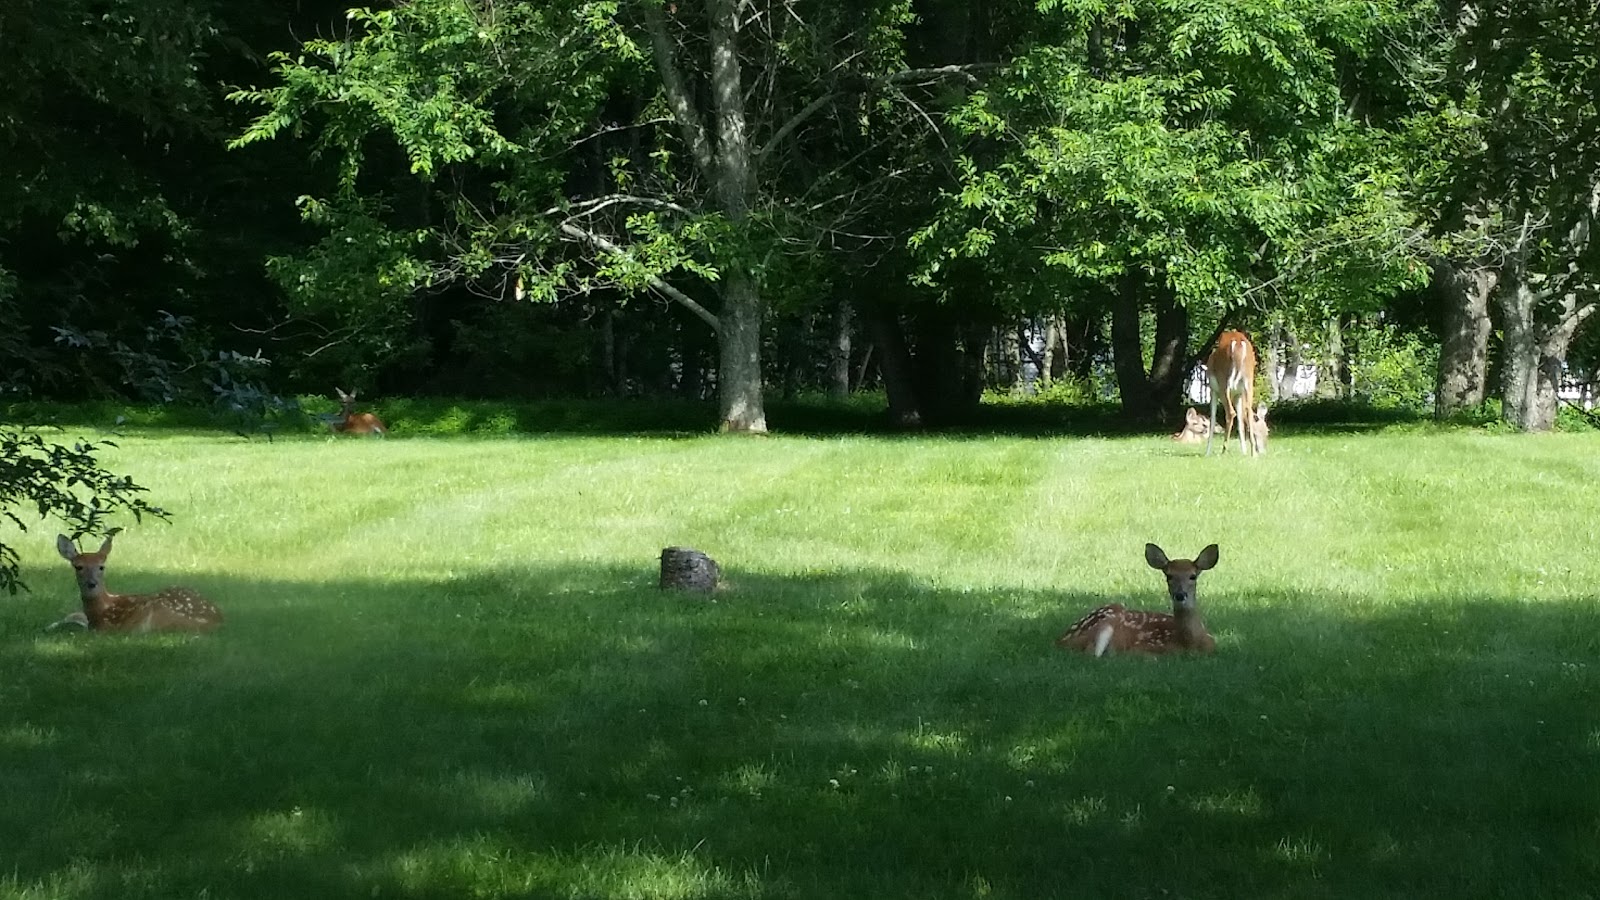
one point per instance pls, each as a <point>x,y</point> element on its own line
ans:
<point>169,609</point>
<point>1196,429</point>
<point>1117,629</point>
<point>351,422</point>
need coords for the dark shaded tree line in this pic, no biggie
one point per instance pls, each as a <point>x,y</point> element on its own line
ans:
<point>727,200</point>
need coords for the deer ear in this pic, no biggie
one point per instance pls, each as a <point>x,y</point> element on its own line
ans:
<point>66,548</point>
<point>106,547</point>
<point>1155,556</point>
<point>1207,558</point>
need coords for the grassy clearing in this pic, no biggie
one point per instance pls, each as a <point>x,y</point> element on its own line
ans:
<point>447,672</point>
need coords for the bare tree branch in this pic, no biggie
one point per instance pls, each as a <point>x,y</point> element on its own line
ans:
<point>602,243</point>
<point>596,204</point>
<point>694,132</point>
<point>908,76</point>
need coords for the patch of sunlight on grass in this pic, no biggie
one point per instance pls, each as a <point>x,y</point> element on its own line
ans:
<point>750,780</point>
<point>1052,754</point>
<point>24,736</point>
<point>1305,852</point>
<point>503,693</point>
<point>1241,803</point>
<point>939,741</point>
<point>498,795</point>
<point>79,879</point>
<point>290,832</point>
<point>1084,810</point>
<point>480,867</point>
<point>75,647</point>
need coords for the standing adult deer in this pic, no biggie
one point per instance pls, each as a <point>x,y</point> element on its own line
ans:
<point>1231,369</point>
<point>351,422</point>
<point>1118,629</point>
<point>169,609</point>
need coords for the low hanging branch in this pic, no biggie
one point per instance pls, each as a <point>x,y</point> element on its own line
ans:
<point>655,282</point>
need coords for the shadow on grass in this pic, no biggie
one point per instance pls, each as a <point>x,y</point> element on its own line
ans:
<point>572,732</point>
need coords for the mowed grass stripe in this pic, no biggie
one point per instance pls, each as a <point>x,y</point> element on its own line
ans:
<point>494,700</point>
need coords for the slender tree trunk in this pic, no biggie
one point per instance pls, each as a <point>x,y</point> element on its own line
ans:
<point>1293,355</point>
<point>1464,351</point>
<point>1272,358</point>
<point>1335,384</point>
<point>1009,371</point>
<point>1127,352</point>
<point>894,361</point>
<point>1055,350</point>
<point>863,367</point>
<point>839,353</point>
<point>608,352</point>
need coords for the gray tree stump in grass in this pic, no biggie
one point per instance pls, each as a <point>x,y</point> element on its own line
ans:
<point>686,569</point>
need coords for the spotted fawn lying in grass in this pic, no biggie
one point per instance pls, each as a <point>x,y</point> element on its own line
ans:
<point>169,609</point>
<point>1117,629</point>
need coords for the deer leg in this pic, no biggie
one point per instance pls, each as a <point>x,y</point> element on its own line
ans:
<point>1212,421</point>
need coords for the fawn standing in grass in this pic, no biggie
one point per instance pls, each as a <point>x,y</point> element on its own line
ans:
<point>350,422</point>
<point>169,609</point>
<point>1121,630</point>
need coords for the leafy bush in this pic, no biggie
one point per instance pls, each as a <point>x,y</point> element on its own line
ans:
<point>1393,368</point>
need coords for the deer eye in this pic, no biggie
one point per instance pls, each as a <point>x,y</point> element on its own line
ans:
<point>78,567</point>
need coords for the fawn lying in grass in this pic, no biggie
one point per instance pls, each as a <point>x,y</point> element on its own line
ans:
<point>1118,629</point>
<point>169,609</point>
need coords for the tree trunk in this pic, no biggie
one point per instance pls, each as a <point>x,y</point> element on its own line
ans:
<point>1533,353</point>
<point>608,352</point>
<point>1008,373</point>
<point>1272,358</point>
<point>1335,384</point>
<point>1539,321</point>
<point>1167,370</point>
<point>894,361</point>
<point>1055,350</point>
<point>1156,395</point>
<point>1127,353</point>
<point>839,353</point>
<point>1293,355</point>
<point>739,374</point>
<point>739,377</point>
<point>1464,351</point>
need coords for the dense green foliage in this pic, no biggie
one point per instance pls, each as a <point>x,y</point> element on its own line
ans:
<point>42,479</point>
<point>540,199</point>
<point>447,671</point>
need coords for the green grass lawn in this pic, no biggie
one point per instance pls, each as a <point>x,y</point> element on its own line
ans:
<point>447,672</point>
